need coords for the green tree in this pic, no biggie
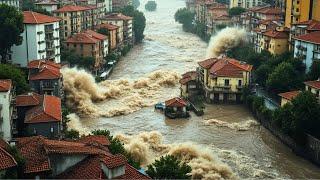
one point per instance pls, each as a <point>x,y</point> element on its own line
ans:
<point>185,17</point>
<point>139,22</point>
<point>72,134</point>
<point>314,72</point>
<point>151,6</point>
<point>168,167</point>
<point>11,27</point>
<point>16,75</point>
<point>283,117</point>
<point>19,172</point>
<point>261,74</point>
<point>236,11</point>
<point>135,4</point>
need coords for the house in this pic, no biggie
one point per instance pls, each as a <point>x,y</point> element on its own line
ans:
<point>89,44</point>
<point>7,109</point>
<point>288,96</point>
<point>245,3</point>
<point>275,41</point>
<point>75,19</point>
<point>39,115</point>
<point>7,162</point>
<point>113,31</point>
<point>14,3</point>
<point>313,87</point>
<point>40,39</point>
<point>222,79</point>
<point>176,108</point>
<point>257,33</point>
<point>73,160</point>
<point>217,14</point>
<point>307,48</point>
<point>48,5</point>
<point>45,77</point>
<point>189,84</point>
<point>301,10</point>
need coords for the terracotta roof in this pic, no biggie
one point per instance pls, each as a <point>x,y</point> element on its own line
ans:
<point>188,76</point>
<point>114,161</point>
<point>132,173</point>
<point>96,35</point>
<point>5,85</point>
<point>7,161</point>
<point>83,38</point>
<point>28,99</point>
<point>314,84</point>
<point>103,140</point>
<point>270,11</point>
<point>206,64</point>
<point>31,148</point>
<point>3,144</point>
<point>46,72</point>
<point>313,37</point>
<point>72,8</point>
<point>108,26</point>
<point>176,102</point>
<point>48,111</point>
<point>37,18</point>
<point>277,34</point>
<point>289,95</point>
<point>312,25</point>
<point>37,64</point>
<point>117,16</point>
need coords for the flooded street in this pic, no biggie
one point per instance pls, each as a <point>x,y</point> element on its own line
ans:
<point>229,131</point>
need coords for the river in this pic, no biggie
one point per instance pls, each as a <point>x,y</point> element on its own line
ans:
<point>252,152</point>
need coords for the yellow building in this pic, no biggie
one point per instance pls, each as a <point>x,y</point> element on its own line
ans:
<point>301,10</point>
<point>224,78</point>
<point>288,96</point>
<point>274,41</point>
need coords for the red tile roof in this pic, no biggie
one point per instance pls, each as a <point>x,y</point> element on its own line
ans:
<point>206,64</point>
<point>48,111</point>
<point>37,64</point>
<point>277,34</point>
<point>47,70</point>
<point>103,140</point>
<point>118,16</point>
<point>313,37</point>
<point>188,76</point>
<point>314,84</point>
<point>270,11</point>
<point>5,85</point>
<point>176,102</point>
<point>289,95</point>
<point>72,8</point>
<point>132,173</point>
<point>3,144</point>
<point>114,161</point>
<point>110,27</point>
<point>6,160</point>
<point>312,25</point>
<point>28,99</point>
<point>37,18</point>
<point>82,38</point>
<point>96,35</point>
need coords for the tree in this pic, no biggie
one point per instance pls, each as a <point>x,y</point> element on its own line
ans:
<point>314,72</point>
<point>11,27</point>
<point>151,6</point>
<point>135,4</point>
<point>168,167</point>
<point>185,17</point>
<point>261,74</point>
<point>16,75</point>
<point>236,11</point>
<point>139,22</point>
<point>72,134</point>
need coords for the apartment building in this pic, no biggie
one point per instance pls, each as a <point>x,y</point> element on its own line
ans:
<point>7,96</point>
<point>41,39</point>
<point>15,3</point>
<point>113,35</point>
<point>275,41</point>
<point>245,3</point>
<point>48,5</point>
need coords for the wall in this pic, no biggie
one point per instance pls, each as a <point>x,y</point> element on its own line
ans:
<point>309,53</point>
<point>112,173</point>
<point>44,129</point>
<point>316,10</point>
<point>5,113</point>
<point>278,46</point>
<point>60,163</point>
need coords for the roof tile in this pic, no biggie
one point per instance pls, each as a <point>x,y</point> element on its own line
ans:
<point>37,18</point>
<point>5,85</point>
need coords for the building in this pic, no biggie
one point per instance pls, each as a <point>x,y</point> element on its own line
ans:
<point>189,84</point>
<point>222,79</point>
<point>7,162</point>
<point>48,5</point>
<point>245,3</point>
<point>176,108</point>
<point>15,3</point>
<point>191,5</point>
<point>217,14</point>
<point>76,19</point>
<point>125,27</point>
<point>257,33</point>
<point>40,39</point>
<point>113,35</point>
<point>87,158</point>
<point>299,11</point>
<point>314,88</point>
<point>39,115</point>
<point>45,77</point>
<point>288,96</point>
<point>89,44</point>
<point>302,28</point>
<point>7,95</point>
<point>119,4</point>
<point>307,48</point>
<point>275,41</point>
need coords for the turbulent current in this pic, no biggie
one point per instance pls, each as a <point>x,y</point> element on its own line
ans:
<point>225,143</point>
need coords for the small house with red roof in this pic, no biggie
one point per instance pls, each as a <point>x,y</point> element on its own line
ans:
<point>41,39</point>
<point>39,115</point>
<point>7,115</point>
<point>275,41</point>
<point>313,87</point>
<point>45,77</point>
<point>307,48</point>
<point>189,86</point>
<point>222,79</point>
<point>287,97</point>
<point>176,108</point>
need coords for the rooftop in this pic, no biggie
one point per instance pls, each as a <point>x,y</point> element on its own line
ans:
<point>289,95</point>
<point>72,8</point>
<point>315,84</point>
<point>108,26</point>
<point>28,99</point>
<point>7,161</point>
<point>313,37</point>
<point>176,102</point>
<point>118,16</point>
<point>37,18</point>
<point>5,85</point>
<point>83,38</point>
<point>277,34</point>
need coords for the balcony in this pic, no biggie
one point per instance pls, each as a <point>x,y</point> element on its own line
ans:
<point>296,13</point>
<point>49,30</point>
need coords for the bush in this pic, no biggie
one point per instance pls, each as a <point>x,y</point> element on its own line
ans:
<point>17,76</point>
<point>151,6</point>
<point>72,134</point>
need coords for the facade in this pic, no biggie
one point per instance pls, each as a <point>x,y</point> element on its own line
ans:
<point>15,3</point>
<point>222,79</point>
<point>189,86</point>
<point>299,11</point>
<point>274,41</point>
<point>245,3</point>
<point>302,28</point>
<point>40,39</point>
<point>176,108</point>
<point>45,77</point>
<point>113,35</point>
<point>314,88</point>
<point>288,96</point>
<point>48,5</point>
<point>75,19</point>
<point>7,96</point>
<point>257,33</point>
<point>307,48</point>
<point>217,14</point>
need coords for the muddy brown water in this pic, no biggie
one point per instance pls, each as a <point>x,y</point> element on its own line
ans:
<point>251,153</point>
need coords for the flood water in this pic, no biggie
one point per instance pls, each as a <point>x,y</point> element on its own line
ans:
<point>253,152</point>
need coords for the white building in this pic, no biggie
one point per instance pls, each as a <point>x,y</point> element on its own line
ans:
<point>307,48</point>
<point>108,6</point>
<point>40,39</point>
<point>15,3</point>
<point>6,109</point>
<point>48,5</point>
<point>245,3</point>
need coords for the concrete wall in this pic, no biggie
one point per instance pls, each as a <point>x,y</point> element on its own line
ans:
<point>112,173</point>
<point>45,129</point>
<point>62,162</point>
<point>5,114</point>
<point>308,60</point>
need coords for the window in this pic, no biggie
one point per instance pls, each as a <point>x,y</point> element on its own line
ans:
<point>297,9</point>
<point>240,83</point>
<point>81,46</point>
<point>226,82</point>
<point>66,34</point>
<point>75,45</point>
